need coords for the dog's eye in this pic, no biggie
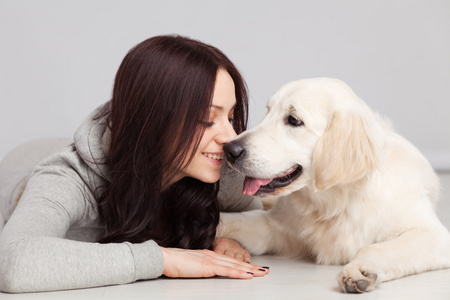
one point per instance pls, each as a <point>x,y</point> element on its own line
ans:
<point>294,121</point>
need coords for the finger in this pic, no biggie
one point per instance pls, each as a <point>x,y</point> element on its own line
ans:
<point>230,262</point>
<point>234,273</point>
<point>238,255</point>
<point>247,257</point>
<point>241,271</point>
<point>262,271</point>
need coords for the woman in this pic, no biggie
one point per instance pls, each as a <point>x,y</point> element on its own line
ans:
<point>138,187</point>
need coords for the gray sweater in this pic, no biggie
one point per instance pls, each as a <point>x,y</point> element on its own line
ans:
<point>48,241</point>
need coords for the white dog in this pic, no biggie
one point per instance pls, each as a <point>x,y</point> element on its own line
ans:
<point>349,189</point>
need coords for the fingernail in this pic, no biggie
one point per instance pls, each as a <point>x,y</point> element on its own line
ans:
<point>250,273</point>
<point>262,270</point>
<point>267,268</point>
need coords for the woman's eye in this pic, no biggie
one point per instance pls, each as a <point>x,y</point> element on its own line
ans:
<point>294,121</point>
<point>231,120</point>
<point>207,124</point>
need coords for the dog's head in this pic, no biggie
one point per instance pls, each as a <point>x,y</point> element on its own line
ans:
<point>316,133</point>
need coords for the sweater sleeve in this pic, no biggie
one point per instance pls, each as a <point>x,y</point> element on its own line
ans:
<point>35,254</point>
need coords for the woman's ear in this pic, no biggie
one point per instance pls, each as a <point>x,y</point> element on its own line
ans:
<point>347,151</point>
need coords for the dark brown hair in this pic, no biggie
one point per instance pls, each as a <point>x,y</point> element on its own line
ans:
<point>161,100</point>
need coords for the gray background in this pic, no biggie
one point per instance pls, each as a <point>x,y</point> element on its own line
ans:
<point>58,58</point>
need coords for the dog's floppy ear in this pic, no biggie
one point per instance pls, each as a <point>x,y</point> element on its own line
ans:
<point>347,151</point>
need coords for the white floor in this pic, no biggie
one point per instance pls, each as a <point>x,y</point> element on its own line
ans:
<point>288,279</point>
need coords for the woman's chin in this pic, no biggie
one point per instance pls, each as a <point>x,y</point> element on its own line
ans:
<point>210,178</point>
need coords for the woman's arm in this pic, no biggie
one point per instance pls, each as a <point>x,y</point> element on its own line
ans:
<point>36,256</point>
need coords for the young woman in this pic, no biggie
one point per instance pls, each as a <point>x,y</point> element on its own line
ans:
<point>135,194</point>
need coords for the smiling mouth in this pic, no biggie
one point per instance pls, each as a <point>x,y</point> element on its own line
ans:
<point>214,156</point>
<point>254,186</point>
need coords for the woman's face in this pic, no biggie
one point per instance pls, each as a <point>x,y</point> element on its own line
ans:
<point>207,160</point>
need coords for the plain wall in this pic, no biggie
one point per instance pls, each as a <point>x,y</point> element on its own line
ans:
<point>58,58</point>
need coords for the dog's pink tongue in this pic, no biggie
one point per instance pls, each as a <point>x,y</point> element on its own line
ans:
<point>251,185</point>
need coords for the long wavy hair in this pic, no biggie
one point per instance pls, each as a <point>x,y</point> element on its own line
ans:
<point>161,99</point>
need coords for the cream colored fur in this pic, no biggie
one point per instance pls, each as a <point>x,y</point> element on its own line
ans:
<point>365,198</point>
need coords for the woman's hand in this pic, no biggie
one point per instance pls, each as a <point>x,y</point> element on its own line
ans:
<point>184,263</point>
<point>231,248</point>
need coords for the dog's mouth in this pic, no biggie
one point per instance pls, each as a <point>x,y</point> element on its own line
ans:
<point>254,186</point>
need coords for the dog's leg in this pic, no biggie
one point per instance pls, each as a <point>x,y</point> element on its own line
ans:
<point>252,229</point>
<point>412,252</point>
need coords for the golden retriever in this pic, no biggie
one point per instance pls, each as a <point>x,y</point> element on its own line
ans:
<point>349,189</point>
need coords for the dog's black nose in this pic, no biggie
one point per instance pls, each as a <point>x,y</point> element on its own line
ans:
<point>233,151</point>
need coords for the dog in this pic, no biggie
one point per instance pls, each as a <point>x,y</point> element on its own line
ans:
<point>349,190</point>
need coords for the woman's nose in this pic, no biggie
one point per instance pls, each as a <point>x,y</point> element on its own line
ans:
<point>227,133</point>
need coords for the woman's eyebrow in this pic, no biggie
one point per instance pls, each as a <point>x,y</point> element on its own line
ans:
<point>217,107</point>
<point>220,108</point>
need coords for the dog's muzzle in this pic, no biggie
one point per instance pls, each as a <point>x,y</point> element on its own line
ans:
<point>235,154</point>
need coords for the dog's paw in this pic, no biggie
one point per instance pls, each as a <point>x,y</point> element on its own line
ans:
<point>355,280</point>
